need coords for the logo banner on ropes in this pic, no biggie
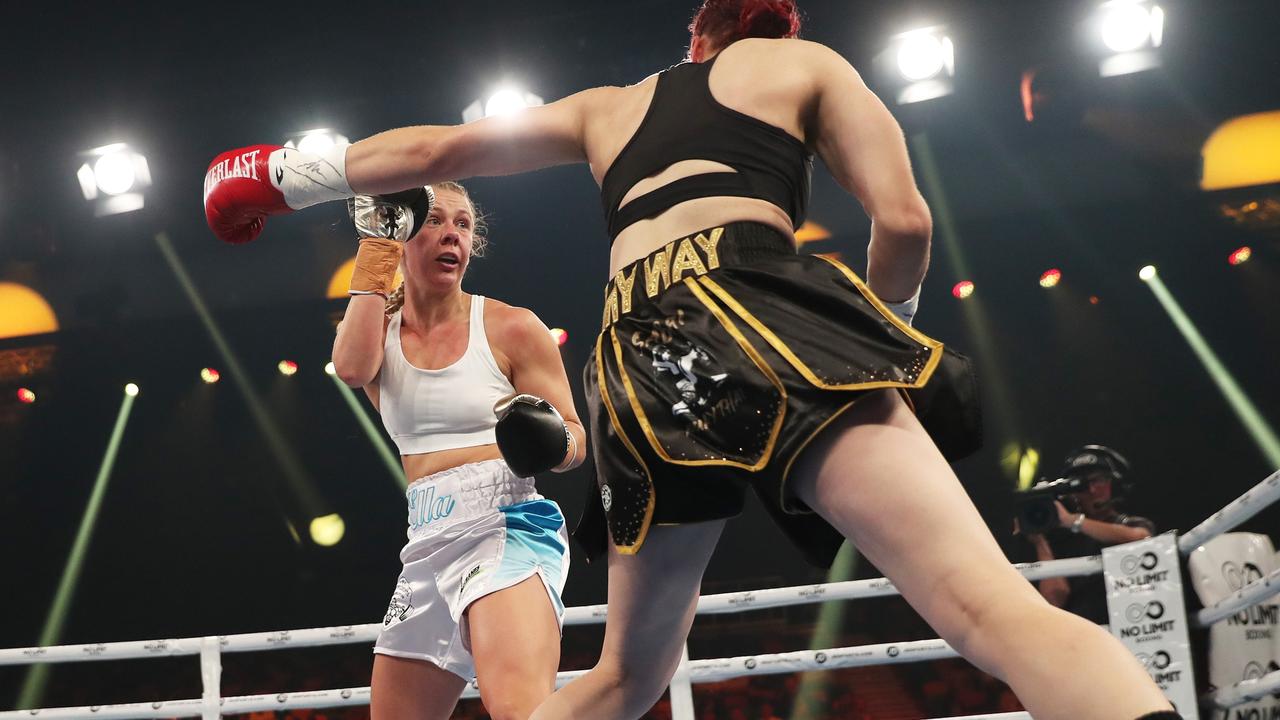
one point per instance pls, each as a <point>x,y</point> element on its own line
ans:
<point>1242,646</point>
<point>1144,598</point>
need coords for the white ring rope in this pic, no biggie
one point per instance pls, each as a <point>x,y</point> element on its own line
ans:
<point>583,615</point>
<point>1247,596</point>
<point>699,671</point>
<point>1252,502</point>
<point>769,598</point>
<point>1246,691</point>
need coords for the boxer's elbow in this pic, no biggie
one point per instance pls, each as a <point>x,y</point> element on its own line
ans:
<point>355,369</point>
<point>354,375</point>
<point>909,224</point>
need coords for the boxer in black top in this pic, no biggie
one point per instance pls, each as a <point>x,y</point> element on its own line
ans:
<point>703,171</point>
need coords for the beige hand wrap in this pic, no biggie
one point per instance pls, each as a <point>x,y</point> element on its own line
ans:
<point>376,263</point>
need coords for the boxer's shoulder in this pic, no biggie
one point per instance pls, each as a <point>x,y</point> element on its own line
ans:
<point>511,326</point>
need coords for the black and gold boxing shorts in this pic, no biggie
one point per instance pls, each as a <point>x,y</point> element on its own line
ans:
<point>722,356</point>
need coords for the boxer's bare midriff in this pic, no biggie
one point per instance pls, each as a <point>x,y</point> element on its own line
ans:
<point>689,217</point>
<point>420,466</point>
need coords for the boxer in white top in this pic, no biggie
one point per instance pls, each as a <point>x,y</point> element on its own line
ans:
<point>468,389</point>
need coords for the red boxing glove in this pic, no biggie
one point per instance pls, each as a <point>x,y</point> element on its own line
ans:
<point>238,195</point>
<point>242,187</point>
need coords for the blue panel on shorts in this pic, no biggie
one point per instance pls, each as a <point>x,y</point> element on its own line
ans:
<point>534,541</point>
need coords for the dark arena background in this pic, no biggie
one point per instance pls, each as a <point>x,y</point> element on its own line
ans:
<point>238,490</point>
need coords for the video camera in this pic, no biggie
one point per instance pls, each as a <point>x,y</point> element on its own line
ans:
<point>1034,507</point>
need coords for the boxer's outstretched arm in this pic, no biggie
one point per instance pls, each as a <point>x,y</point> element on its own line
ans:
<point>535,138</point>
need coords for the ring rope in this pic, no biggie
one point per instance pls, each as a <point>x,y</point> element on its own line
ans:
<point>1253,501</point>
<point>1245,691</point>
<point>1247,596</point>
<point>581,615</point>
<point>699,671</point>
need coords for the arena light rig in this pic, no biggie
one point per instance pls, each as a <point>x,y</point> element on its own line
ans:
<point>1130,32</point>
<point>1241,256</point>
<point>288,368</point>
<point>963,289</point>
<point>922,62</point>
<point>1050,278</point>
<point>210,376</point>
<point>113,178</point>
<point>26,396</point>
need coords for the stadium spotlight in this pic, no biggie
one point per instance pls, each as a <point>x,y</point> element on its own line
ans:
<point>560,335</point>
<point>506,100</point>
<point>962,289</point>
<point>329,369</point>
<point>112,177</point>
<point>26,396</point>
<point>1147,272</point>
<point>316,140</point>
<point>327,530</point>
<point>1130,31</point>
<point>131,390</point>
<point>210,375</point>
<point>922,62</point>
<point>1050,278</point>
<point>287,367</point>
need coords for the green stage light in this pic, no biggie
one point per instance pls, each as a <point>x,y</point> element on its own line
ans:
<point>389,458</point>
<point>38,676</point>
<point>1254,423</point>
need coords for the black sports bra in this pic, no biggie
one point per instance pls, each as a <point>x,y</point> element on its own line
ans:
<point>684,122</point>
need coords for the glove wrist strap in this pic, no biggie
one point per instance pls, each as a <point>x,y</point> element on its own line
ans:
<point>571,455</point>
<point>310,178</point>
<point>906,310</point>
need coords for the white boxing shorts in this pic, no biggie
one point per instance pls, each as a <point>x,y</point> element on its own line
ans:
<point>473,530</point>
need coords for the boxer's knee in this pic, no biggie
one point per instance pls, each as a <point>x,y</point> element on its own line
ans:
<point>636,686</point>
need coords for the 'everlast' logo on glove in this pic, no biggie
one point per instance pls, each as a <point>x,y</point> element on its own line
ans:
<point>240,166</point>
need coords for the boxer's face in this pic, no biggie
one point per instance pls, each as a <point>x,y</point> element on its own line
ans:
<point>439,254</point>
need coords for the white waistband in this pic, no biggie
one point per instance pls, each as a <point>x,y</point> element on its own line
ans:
<point>462,493</point>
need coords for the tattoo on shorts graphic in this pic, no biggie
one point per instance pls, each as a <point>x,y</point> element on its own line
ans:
<point>401,603</point>
<point>692,371</point>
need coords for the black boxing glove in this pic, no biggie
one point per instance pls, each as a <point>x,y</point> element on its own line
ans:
<point>395,216</point>
<point>531,435</point>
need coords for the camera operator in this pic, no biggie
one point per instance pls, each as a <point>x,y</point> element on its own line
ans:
<point>1093,481</point>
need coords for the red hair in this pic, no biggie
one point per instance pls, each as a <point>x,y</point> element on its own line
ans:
<point>727,21</point>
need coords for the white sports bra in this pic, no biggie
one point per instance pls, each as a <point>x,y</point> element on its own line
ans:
<point>430,410</point>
